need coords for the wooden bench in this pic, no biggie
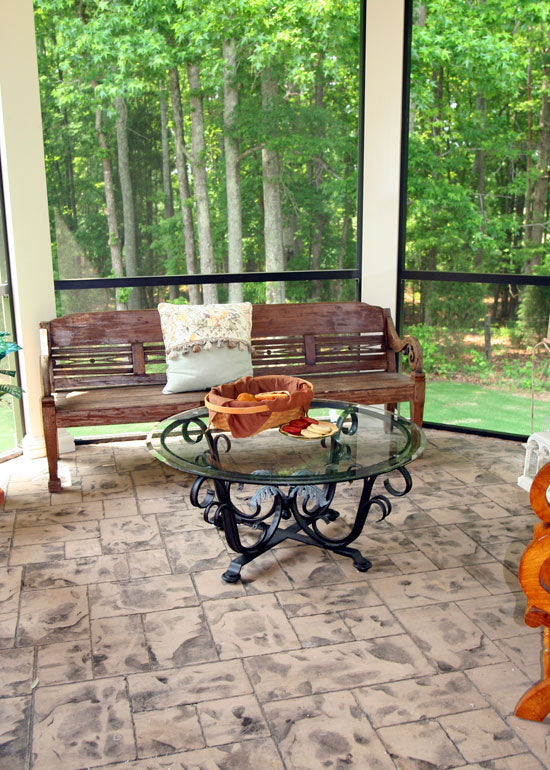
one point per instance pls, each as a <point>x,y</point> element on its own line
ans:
<point>103,368</point>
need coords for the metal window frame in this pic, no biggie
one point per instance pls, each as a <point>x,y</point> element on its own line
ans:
<point>430,275</point>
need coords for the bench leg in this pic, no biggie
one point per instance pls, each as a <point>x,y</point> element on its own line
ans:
<point>52,445</point>
<point>417,403</point>
<point>389,408</point>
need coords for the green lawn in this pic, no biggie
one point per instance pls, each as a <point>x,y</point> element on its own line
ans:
<point>473,406</point>
<point>7,429</point>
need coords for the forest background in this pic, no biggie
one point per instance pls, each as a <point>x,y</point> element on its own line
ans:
<point>195,136</point>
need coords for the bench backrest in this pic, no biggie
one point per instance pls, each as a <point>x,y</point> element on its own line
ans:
<point>84,350</point>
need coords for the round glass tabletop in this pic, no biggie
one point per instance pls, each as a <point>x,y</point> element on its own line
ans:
<point>367,442</point>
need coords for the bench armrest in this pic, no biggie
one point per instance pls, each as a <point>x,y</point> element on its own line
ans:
<point>408,345</point>
<point>45,362</point>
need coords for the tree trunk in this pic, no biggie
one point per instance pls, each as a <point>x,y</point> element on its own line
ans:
<point>110,205</point>
<point>166,182</point>
<point>343,247</point>
<point>232,170</point>
<point>317,245</point>
<point>183,186</point>
<point>540,187</point>
<point>480,170</point>
<point>128,210</point>
<point>200,183</point>
<point>273,212</point>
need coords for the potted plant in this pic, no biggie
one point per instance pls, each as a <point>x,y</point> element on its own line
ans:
<point>6,388</point>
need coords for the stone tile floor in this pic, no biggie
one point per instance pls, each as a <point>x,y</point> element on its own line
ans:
<point>120,647</point>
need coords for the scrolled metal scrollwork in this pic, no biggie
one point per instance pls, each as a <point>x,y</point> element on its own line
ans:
<point>350,412</point>
<point>408,484</point>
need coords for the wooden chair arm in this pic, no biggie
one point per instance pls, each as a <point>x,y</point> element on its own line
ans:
<point>409,346</point>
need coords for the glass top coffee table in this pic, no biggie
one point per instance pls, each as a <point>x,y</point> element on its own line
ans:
<point>272,486</point>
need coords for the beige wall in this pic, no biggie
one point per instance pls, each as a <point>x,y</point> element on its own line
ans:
<point>22,158</point>
<point>383,90</point>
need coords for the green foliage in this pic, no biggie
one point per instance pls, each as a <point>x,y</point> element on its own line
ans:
<point>7,347</point>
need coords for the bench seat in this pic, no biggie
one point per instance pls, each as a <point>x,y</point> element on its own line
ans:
<point>106,368</point>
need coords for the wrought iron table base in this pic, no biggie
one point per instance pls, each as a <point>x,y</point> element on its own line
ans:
<point>315,507</point>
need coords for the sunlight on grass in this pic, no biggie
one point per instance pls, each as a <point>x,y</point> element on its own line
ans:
<point>473,406</point>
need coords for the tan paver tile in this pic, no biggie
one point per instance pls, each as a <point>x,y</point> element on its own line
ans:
<point>8,624</point>
<point>196,551</point>
<point>496,578</point>
<point>53,615</point>
<point>77,549</point>
<point>410,561</point>
<point>167,731</point>
<point>7,520</point>
<point>14,727</point>
<point>308,566</point>
<point>55,533</point>
<point>260,753</point>
<point>498,616</point>
<point>232,719</point>
<point>371,622</point>
<point>168,490</point>
<point>5,545</point>
<point>179,522</point>
<point>37,554</point>
<point>448,638</point>
<point>503,684</point>
<point>165,592</point>
<point>420,744</point>
<point>107,486</point>
<point>190,684</point>
<point>64,662</point>
<point>525,652</point>
<point>316,630</point>
<point>326,731</point>
<point>209,585</point>
<point>249,625</point>
<point>60,514</point>
<point>335,667</point>
<point>418,699</point>
<point>10,586</point>
<point>122,506</point>
<point>131,533</point>
<point>449,547</point>
<point>523,761</point>
<point>148,563</point>
<point>264,575</point>
<point>501,530</point>
<point>482,735</point>
<point>332,598</point>
<point>382,566</point>
<point>427,588</point>
<point>72,572</point>
<point>179,637</point>
<point>535,735</point>
<point>16,666</point>
<point>509,496</point>
<point>119,646</point>
<point>176,503</point>
<point>85,723</point>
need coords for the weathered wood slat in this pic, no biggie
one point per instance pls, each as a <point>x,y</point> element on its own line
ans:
<point>101,382</point>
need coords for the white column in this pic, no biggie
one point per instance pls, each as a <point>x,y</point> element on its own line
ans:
<point>383,96</point>
<point>24,180</point>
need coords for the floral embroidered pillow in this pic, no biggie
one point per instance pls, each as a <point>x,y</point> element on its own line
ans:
<point>206,345</point>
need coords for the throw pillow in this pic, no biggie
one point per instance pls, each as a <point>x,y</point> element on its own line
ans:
<point>206,345</point>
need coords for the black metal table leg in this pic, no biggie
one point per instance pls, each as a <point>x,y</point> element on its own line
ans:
<point>220,510</point>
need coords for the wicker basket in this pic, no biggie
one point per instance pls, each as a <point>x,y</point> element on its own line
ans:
<point>219,420</point>
<point>220,413</point>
